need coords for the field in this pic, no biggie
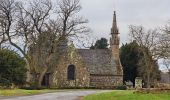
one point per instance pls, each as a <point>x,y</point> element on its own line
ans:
<point>128,95</point>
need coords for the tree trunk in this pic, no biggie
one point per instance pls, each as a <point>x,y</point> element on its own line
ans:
<point>41,77</point>
<point>28,73</point>
<point>31,73</point>
<point>169,78</point>
<point>148,82</point>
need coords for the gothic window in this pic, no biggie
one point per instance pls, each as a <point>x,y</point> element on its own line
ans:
<point>71,72</point>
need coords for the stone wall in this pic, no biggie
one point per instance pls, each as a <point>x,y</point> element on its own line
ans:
<point>102,81</point>
<point>83,78</point>
<point>59,76</point>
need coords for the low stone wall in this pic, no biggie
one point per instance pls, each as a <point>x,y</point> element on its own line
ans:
<point>102,81</point>
<point>163,85</point>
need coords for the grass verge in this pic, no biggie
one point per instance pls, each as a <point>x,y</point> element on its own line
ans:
<point>22,92</point>
<point>128,95</point>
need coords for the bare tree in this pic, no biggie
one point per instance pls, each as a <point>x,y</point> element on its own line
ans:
<point>7,10</point>
<point>38,32</point>
<point>71,23</point>
<point>164,43</point>
<point>148,40</point>
<point>24,24</point>
<point>166,29</point>
<point>2,39</point>
<point>165,47</point>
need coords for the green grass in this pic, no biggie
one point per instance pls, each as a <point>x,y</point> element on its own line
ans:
<point>22,92</point>
<point>127,95</point>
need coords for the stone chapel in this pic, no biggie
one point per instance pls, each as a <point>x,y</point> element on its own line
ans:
<point>80,68</point>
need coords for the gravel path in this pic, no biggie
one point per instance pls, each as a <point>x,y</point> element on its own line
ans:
<point>63,95</point>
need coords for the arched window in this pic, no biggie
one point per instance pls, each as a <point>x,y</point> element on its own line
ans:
<point>71,72</point>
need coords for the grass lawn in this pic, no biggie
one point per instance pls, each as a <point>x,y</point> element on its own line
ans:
<point>22,92</point>
<point>127,95</point>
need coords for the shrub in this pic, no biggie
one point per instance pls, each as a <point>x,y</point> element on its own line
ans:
<point>12,68</point>
<point>122,87</point>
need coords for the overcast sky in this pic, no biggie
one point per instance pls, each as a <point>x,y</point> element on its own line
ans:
<point>149,13</point>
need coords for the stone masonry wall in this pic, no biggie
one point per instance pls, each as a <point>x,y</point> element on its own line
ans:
<point>59,77</point>
<point>102,81</point>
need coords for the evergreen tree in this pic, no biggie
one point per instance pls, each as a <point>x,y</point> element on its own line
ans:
<point>132,61</point>
<point>100,44</point>
<point>129,60</point>
<point>12,68</point>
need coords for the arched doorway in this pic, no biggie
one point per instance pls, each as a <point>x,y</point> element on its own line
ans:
<point>45,81</point>
<point>71,72</point>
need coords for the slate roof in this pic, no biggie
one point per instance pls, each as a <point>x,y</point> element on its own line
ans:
<point>98,61</point>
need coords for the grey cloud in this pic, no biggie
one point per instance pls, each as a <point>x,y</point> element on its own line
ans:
<point>149,13</point>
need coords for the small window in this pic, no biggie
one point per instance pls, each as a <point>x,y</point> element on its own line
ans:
<point>71,72</point>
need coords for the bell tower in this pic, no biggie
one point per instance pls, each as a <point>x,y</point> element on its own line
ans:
<point>114,45</point>
<point>114,40</point>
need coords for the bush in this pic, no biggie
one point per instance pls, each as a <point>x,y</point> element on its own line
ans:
<point>12,68</point>
<point>123,87</point>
